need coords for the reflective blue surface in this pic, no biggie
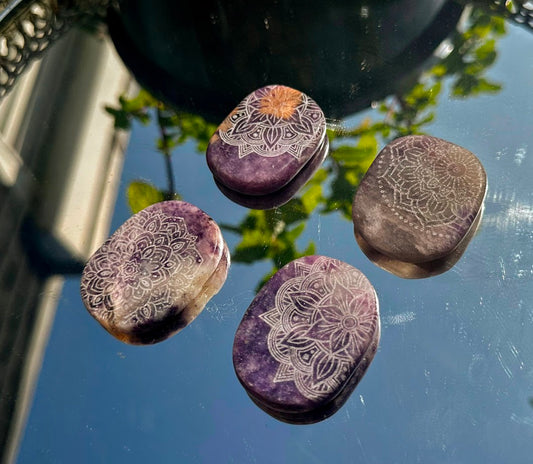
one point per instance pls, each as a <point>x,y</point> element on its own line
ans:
<point>453,376</point>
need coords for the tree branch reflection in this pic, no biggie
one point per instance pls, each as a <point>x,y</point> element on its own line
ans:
<point>460,69</point>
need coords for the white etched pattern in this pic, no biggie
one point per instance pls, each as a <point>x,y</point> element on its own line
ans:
<point>428,182</point>
<point>272,121</point>
<point>141,269</point>
<point>322,322</point>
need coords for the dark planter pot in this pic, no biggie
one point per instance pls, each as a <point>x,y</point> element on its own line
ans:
<point>204,57</point>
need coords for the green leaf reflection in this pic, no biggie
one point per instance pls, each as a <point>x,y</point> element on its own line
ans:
<point>142,194</point>
<point>278,235</point>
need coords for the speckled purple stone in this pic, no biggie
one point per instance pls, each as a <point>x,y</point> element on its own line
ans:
<point>419,198</point>
<point>155,274</point>
<point>284,194</point>
<point>266,140</point>
<point>307,339</point>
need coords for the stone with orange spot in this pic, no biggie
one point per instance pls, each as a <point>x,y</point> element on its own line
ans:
<point>266,144</point>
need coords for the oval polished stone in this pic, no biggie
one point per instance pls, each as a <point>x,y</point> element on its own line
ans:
<point>419,270</point>
<point>307,339</point>
<point>155,274</point>
<point>266,141</point>
<point>419,198</point>
<point>284,194</point>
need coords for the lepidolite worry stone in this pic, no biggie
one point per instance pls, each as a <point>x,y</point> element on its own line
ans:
<point>155,274</point>
<point>419,198</point>
<point>285,193</point>
<point>307,339</point>
<point>266,141</point>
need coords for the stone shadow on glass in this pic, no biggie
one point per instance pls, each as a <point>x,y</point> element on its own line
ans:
<point>283,195</point>
<point>418,270</point>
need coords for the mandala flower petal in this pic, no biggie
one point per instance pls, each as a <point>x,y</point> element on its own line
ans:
<point>272,136</point>
<point>304,127</point>
<point>331,314</point>
<point>304,302</point>
<point>324,366</point>
<point>340,340</point>
<point>321,330</point>
<point>296,339</point>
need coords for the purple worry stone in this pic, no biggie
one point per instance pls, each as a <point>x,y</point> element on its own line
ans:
<point>284,194</point>
<point>266,141</point>
<point>419,199</point>
<point>155,274</point>
<point>307,339</point>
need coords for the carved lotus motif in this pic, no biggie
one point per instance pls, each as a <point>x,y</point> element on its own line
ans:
<point>141,267</point>
<point>268,147</point>
<point>434,182</point>
<point>272,121</point>
<point>322,320</point>
<point>155,273</point>
<point>307,339</point>
<point>419,199</point>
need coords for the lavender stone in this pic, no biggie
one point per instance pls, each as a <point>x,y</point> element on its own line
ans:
<point>418,270</point>
<point>419,198</point>
<point>284,194</point>
<point>266,141</point>
<point>155,274</point>
<point>307,339</point>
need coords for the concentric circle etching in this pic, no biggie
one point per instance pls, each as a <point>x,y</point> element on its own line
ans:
<point>272,121</point>
<point>322,322</point>
<point>141,268</point>
<point>428,182</point>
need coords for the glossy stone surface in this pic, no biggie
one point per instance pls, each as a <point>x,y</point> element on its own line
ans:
<point>266,141</point>
<point>155,274</point>
<point>419,198</point>
<point>419,270</point>
<point>284,194</point>
<point>307,339</point>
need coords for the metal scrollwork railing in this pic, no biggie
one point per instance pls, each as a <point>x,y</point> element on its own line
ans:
<point>28,27</point>
<point>518,11</point>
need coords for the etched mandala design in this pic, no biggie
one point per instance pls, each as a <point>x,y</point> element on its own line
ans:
<point>141,267</point>
<point>322,322</point>
<point>272,121</point>
<point>428,182</point>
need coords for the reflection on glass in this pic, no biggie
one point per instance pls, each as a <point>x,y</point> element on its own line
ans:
<point>29,27</point>
<point>60,163</point>
<point>418,270</point>
<point>342,54</point>
<point>268,147</point>
<point>419,199</point>
<point>273,235</point>
<point>60,166</point>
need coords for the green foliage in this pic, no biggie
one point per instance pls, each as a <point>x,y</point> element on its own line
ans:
<point>473,52</point>
<point>134,109</point>
<point>142,194</point>
<point>178,127</point>
<point>175,127</point>
<point>275,235</point>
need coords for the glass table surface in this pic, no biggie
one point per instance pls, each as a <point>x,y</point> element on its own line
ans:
<point>452,380</point>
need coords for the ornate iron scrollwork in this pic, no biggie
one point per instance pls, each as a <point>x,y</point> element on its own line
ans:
<point>27,28</point>
<point>518,11</point>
